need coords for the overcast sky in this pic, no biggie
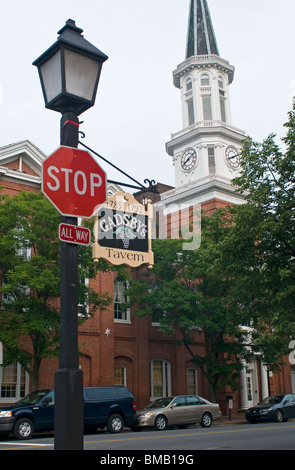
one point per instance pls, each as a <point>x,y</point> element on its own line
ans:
<point>137,106</point>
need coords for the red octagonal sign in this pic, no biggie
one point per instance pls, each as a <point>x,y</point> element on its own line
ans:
<point>74,182</point>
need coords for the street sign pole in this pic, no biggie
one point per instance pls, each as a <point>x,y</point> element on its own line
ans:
<point>69,407</point>
<point>76,185</point>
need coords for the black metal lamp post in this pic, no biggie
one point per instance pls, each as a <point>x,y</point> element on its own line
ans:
<point>268,367</point>
<point>69,72</point>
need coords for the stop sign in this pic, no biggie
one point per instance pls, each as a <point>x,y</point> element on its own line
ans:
<point>74,182</point>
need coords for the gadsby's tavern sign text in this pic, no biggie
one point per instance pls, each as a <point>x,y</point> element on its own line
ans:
<point>123,231</point>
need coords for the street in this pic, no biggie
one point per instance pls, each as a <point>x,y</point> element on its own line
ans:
<point>243,436</point>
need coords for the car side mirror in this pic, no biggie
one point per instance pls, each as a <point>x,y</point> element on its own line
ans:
<point>47,401</point>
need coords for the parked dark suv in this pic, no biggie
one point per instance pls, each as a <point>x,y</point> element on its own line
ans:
<point>113,407</point>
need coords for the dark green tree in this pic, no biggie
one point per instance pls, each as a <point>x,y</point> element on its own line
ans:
<point>260,251</point>
<point>30,281</point>
<point>192,302</point>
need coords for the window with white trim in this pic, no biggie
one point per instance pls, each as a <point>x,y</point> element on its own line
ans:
<point>207,109</point>
<point>14,383</point>
<point>120,376</point>
<point>190,111</point>
<point>211,160</point>
<point>222,109</point>
<point>189,85</point>
<point>160,378</point>
<point>192,381</point>
<point>222,98</point>
<point>83,307</point>
<point>121,312</point>
<point>205,80</point>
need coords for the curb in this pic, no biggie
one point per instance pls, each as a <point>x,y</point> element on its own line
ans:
<point>226,421</point>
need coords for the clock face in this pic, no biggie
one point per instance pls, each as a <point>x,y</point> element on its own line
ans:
<point>188,159</point>
<point>232,157</point>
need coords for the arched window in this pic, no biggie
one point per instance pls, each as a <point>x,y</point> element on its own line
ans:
<point>189,84</point>
<point>192,381</point>
<point>220,83</point>
<point>120,376</point>
<point>160,378</point>
<point>205,80</point>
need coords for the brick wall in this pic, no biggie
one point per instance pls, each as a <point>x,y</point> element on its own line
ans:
<point>105,343</point>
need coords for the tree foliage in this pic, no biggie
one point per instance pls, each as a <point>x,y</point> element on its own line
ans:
<point>30,280</point>
<point>263,235</point>
<point>237,290</point>
<point>192,302</point>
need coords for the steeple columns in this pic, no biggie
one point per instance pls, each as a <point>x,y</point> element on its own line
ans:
<point>204,95</point>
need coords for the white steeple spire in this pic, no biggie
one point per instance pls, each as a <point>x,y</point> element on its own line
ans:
<point>206,151</point>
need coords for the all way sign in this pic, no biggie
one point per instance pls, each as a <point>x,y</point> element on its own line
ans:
<point>74,234</point>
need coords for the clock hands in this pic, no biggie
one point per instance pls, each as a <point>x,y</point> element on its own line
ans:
<point>187,159</point>
<point>233,157</point>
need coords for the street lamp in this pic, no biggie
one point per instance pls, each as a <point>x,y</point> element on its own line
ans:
<point>69,72</point>
<point>268,367</point>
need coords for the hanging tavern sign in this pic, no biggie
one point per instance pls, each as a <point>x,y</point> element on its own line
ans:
<point>122,232</point>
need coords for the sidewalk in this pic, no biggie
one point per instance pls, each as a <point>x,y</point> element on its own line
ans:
<point>235,419</point>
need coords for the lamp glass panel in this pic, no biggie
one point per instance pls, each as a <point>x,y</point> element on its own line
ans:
<point>80,74</point>
<point>51,77</point>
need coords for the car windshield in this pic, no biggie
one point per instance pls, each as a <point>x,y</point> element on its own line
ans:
<point>33,397</point>
<point>272,400</point>
<point>160,403</point>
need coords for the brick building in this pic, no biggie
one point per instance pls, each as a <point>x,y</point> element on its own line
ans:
<point>118,347</point>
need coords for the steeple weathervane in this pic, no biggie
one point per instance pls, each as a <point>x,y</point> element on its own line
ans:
<point>200,38</point>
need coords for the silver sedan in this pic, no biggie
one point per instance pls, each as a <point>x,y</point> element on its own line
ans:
<point>181,411</point>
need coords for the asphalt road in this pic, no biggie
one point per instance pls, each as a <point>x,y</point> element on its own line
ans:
<point>243,436</point>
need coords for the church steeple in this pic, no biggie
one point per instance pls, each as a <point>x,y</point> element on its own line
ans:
<point>206,150</point>
<point>200,38</point>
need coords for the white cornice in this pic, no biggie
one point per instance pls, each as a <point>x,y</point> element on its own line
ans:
<point>202,129</point>
<point>30,153</point>
<point>19,177</point>
<point>202,61</point>
<point>214,187</point>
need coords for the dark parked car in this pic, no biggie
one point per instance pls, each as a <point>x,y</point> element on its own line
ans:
<point>113,407</point>
<point>181,411</point>
<point>276,408</point>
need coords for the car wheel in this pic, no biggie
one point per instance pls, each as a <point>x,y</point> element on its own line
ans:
<point>279,417</point>
<point>206,420</point>
<point>160,423</point>
<point>115,423</point>
<point>23,428</point>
